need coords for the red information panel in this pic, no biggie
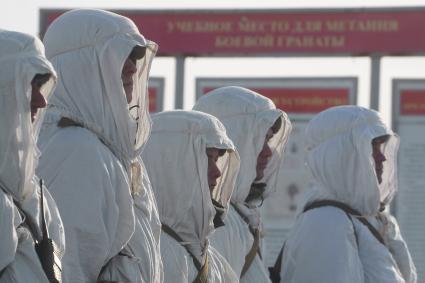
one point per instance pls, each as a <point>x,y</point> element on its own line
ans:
<point>153,92</point>
<point>156,94</point>
<point>412,102</point>
<point>303,100</point>
<point>352,31</point>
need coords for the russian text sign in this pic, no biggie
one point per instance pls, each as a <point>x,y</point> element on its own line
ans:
<point>224,32</point>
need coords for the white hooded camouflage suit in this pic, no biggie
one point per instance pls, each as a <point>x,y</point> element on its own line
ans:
<point>247,117</point>
<point>93,165</point>
<point>21,58</point>
<point>326,244</point>
<point>177,164</point>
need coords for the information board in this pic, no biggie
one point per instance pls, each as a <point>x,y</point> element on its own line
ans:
<point>343,31</point>
<point>409,123</point>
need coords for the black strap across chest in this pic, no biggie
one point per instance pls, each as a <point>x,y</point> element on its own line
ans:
<point>47,251</point>
<point>202,276</point>
<point>275,270</point>
<point>244,218</point>
<point>348,210</point>
<point>255,248</point>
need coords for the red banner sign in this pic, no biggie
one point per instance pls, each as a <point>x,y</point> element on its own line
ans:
<point>412,102</point>
<point>303,100</point>
<point>153,93</point>
<point>265,32</point>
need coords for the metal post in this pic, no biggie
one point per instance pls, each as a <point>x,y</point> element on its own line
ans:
<point>179,94</point>
<point>374,81</point>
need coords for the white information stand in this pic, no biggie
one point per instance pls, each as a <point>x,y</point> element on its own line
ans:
<point>409,123</point>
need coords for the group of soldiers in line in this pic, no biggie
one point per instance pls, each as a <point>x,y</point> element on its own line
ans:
<point>94,189</point>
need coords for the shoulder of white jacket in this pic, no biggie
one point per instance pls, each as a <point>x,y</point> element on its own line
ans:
<point>236,221</point>
<point>326,217</point>
<point>173,253</point>
<point>80,141</point>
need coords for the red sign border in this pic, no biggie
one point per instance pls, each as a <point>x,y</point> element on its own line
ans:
<point>398,86</point>
<point>44,13</point>
<point>300,82</point>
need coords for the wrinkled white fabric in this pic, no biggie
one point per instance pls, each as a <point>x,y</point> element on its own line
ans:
<point>145,203</point>
<point>20,262</point>
<point>179,265</point>
<point>234,241</point>
<point>341,138</point>
<point>21,58</point>
<point>90,62</point>
<point>176,162</point>
<point>322,245</point>
<point>145,243</point>
<point>8,235</point>
<point>247,117</point>
<point>124,267</point>
<point>96,208</point>
<point>387,225</point>
<point>88,166</point>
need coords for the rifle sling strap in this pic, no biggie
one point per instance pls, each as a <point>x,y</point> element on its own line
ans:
<point>255,248</point>
<point>350,211</point>
<point>203,270</point>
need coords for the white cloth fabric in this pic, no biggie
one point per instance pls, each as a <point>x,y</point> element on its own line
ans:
<point>90,60</point>
<point>176,162</point>
<point>179,265</point>
<point>145,243</point>
<point>21,58</point>
<point>339,140</point>
<point>88,167</point>
<point>387,225</point>
<point>236,237</point>
<point>96,207</point>
<point>322,246</point>
<point>247,117</point>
